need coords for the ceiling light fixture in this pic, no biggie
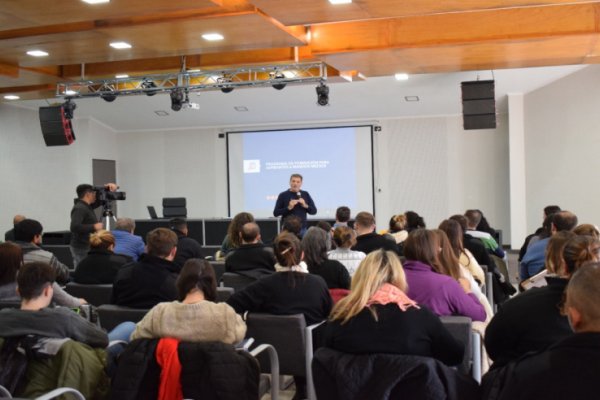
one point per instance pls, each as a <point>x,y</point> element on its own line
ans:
<point>11,97</point>
<point>211,37</point>
<point>69,108</point>
<point>121,76</point>
<point>37,53</point>
<point>177,98</point>
<point>70,93</point>
<point>411,98</point>
<point>95,1</point>
<point>336,2</point>
<point>149,87</point>
<point>401,77</point>
<point>120,45</point>
<point>278,75</point>
<point>224,80</point>
<point>322,94</point>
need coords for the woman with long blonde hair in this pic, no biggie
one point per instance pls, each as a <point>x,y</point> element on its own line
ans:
<point>378,317</point>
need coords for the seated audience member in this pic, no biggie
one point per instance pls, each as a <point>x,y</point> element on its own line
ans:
<point>11,260</point>
<point>548,211</point>
<point>342,216</point>
<point>367,240</point>
<point>252,254</point>
<point>293,225</point>
<point>344,238</point>
<point>398,230</point>
<point>533,261</point>
<point>484,225</point>
<point>314,246</point>
<point>466,259</point>
<point>569,368</point>
<point>414,221</point>
<point>326,226</point>
<point>531,321</point>
<point>101,264</point>
<point>126,242</point>
<point>587,229</point>
<point>9,236</point>
<point>233,239</point>
<point>194,317</point>
<point>473,220</point>
<point>474,245</point>
<point>378,317</point>
<point>28,235</point>
<point>429,287</point>
<point>291,291</point>
<point>187,247</point>
<point>151,280</point>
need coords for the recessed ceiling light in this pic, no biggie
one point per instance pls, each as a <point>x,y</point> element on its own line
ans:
<point>70,92</point>
<point>161,113</point>
<point>212,36</point>
<point>240,108</point>
<point>340,1</point>
<point>95,1</point>
<point>401,77</point>
<point>37,53</point>
<point>193,70</point>
<point>11,97</point>
<point>121,76</point>
<point>411,98</point>
<point>120,45</point>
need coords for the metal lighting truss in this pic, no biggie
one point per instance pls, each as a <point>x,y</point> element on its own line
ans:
<point>191,81</point>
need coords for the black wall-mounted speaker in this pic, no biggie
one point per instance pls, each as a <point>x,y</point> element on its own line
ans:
<point>56,128</point>
<point>479,104</point>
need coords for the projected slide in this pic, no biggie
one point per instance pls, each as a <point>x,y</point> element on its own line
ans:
<point>335,164</point>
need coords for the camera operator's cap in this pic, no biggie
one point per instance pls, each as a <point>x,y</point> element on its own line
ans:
<point>83,189</point>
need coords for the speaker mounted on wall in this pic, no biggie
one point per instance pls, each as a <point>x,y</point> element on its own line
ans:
<point>479,104</point>
<point>56,127</point>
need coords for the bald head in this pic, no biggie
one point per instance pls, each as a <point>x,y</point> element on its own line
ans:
<point>250,233</point>
<point>583,298</point>
<point>18,218</point>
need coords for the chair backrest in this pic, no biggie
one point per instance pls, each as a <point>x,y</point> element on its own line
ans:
<point>286,334</point>
<point>236,281</point>
<point>174,207</point>
<point>224,293</point>
<point>219,267</point>
<point>94,294</point>
<point>10,304</point>
<point>112,315</point>
<point>62,253</point>
<point>460,329</point>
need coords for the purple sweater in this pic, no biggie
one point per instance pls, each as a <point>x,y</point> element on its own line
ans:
<point>440,293</point>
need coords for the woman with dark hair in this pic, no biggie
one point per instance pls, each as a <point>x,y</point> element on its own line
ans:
<point>455,236</point>
<point>378,317</point>
<point>414,221</point>
<point>194,317</point>
<point>101,264</point>
<point>314,245</point>
<point>233,239</point>
<point>484,225</point>
<point>344,238</point>
<point>532,320</point>
<point>429,286</point>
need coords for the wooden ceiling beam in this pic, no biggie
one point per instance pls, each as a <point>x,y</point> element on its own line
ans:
<point>29,88</point>
<point>9,70</point>
<point>457,28</point>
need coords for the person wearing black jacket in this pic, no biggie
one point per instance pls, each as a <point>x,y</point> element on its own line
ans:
<point>101,264</point>
<point>252,254</point>
<point>368,240</point>
<point>151,280</point>
<point>84,220</point>
<point>186,246</point>
<point>315,246</point>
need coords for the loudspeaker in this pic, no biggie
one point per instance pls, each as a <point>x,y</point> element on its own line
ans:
<point>56,127</point>
<point>479,105</point>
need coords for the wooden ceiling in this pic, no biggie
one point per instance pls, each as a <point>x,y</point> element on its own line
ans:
<point>366,38</point>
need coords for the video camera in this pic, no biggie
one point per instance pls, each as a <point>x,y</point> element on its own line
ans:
<point>104,195</point>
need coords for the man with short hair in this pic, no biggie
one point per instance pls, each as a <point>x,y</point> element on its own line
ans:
<point>9,236</point>
<point>186,246</point>
<point>84,220</point>
<point>35,286</point>
<point>28,235</point>
<point>569,369</point>
<point>293,225</point>
<point>125,241</point>
<point>252,255</point>
<point>473,219</point>
<point>342,216</point>
<point>533,261</point>
<point>367,240</point>
<point>151,280</point>
<point>295,202</point>
<point>548,211</point>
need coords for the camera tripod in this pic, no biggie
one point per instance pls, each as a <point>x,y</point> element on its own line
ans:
<point>107,216</point>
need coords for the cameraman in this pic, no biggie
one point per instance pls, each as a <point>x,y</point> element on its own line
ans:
<point>83,219</point>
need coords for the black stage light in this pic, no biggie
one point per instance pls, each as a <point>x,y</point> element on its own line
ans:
<point>177,98</point>
<point>109,97</point>
<point>148,85</point>
<point>323,94</point>
<point>69,107</point>
<point>223,84</point>
<point>278,75</point>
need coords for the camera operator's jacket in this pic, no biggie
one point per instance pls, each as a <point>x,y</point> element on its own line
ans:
<point>83,219</point>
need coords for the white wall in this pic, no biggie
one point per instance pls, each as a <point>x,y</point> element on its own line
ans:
<point>562,144</point>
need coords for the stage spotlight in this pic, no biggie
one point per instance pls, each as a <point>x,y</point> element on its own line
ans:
<point>223,84</point>
<point>323,94</point>
<point>278,75</point>
<point>68,108</point>
<point>109,97</point>
<point>148,85</point>
<point>177,99</point>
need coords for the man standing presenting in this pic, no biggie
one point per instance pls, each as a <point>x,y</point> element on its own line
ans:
<point>295,202</point>
<point>84,221</point>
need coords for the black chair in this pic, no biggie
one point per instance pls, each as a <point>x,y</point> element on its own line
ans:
<point>460,328</point>
<point>292,340</point>
<point>93,294</point>
<point>219,267</point>
<point>111,315</point>
<point>224,293</point>
<point>236,281</point>
<point>174,207</point>
<point>62,253</point>
<point>10,304</point>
